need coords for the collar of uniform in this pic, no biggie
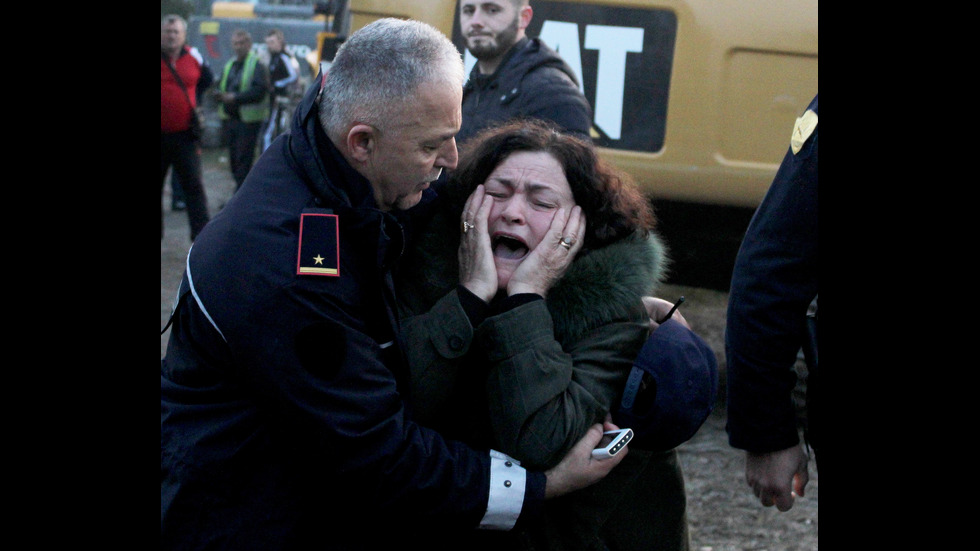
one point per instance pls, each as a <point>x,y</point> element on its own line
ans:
<point>358,192</point>
<point>342,174</point>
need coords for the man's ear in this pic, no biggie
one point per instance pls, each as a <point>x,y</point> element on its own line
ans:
<point>525,18</point>
<point>360,141</point>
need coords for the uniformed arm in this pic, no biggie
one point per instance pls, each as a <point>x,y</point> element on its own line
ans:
<point>773,282</point>
<point>310,360</point>
<point>313,363</point>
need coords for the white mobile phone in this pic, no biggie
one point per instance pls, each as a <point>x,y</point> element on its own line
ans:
<point>612,441</point>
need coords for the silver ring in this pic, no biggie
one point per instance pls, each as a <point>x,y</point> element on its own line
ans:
<point>467,225</point>
<point>566,242</point>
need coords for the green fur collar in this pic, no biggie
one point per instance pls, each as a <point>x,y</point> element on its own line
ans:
<point>606,284</point>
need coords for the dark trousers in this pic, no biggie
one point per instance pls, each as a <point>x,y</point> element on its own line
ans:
<point>180,151</point>
<point>242,138</point>
<point>176,192</point>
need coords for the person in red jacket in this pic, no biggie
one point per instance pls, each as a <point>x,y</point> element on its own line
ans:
<point>179,148</point>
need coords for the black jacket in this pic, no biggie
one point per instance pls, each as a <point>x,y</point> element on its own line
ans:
<point>532,81</point>
<point>282,74</point>
<point>282,422</point>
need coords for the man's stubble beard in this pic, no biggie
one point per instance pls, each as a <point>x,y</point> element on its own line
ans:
<point>498,47</point>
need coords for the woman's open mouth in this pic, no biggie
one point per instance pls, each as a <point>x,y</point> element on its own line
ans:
<point>508,247</point>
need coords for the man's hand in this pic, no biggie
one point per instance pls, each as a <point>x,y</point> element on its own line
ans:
<point>224,97</point>
<point>578,469</point>
<point>772,475</point>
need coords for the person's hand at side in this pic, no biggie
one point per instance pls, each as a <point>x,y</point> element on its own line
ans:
<point>477,271</point>
<point>776,476</point>
<point>657,308</point>
<point>578,469</point>
<point>551,258</point>
<point>223,97</point>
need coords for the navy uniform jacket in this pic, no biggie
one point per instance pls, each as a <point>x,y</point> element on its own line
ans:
<point>282,417</point>
<point>532,81</point>
<point>773,283</point>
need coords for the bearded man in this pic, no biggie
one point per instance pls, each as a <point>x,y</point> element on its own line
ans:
<point>515,76</point>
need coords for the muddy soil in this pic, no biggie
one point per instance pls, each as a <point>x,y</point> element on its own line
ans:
<point>722,512</point>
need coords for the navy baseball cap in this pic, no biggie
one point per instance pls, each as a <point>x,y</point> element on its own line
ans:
<point>671,389</point>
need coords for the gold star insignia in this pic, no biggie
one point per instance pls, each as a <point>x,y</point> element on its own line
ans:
<point>319,244</point>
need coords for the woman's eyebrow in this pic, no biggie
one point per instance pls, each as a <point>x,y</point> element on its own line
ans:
<point>531,187</point>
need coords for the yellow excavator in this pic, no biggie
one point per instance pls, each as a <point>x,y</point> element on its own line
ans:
<point>696,99</point>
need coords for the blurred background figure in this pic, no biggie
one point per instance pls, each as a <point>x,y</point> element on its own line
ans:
<point>184,75</point>
<point>243,108</point>
<point>284,74</point>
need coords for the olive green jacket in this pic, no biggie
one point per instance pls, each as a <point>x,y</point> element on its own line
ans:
<point>530,381</point>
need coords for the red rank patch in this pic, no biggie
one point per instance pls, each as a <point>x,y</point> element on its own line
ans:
<point>319,244</point>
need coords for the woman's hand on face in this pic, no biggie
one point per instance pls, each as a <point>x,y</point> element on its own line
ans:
<point>477,271</point>
<point>551,258</point>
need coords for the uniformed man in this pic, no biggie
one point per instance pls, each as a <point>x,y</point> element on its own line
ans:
<point>283,422</point>
<point>774,283</point>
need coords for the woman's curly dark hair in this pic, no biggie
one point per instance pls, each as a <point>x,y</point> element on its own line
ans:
<point>614,206</point>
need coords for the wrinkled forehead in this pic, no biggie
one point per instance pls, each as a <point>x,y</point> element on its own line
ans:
<point>431,109</point>
<point>533,171</point>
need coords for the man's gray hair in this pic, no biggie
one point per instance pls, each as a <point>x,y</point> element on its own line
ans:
<point>380,66</point>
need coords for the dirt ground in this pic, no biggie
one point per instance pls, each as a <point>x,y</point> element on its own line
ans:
<point>722,512</point>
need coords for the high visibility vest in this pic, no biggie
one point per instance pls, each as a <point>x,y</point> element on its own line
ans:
<point>249,112</point>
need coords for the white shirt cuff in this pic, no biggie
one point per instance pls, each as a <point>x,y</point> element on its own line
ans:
<point>507,482</point>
